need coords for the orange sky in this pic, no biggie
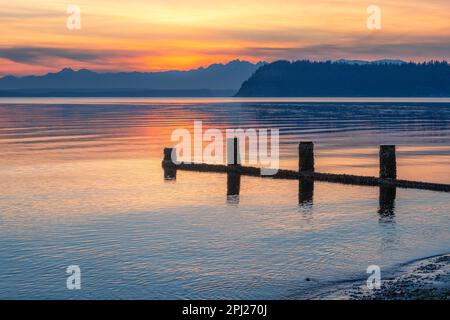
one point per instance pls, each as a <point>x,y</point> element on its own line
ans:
<point>150,35</point>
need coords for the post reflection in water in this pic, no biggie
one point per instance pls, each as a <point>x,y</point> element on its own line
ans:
<point>233,185</point>
<point>305,192</point>
<point>233,199</point>
<point>386,208</point>
<point>170,173</point>
<point>386,211</point>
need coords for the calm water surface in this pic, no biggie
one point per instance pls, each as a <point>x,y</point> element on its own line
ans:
<point>81,184</point>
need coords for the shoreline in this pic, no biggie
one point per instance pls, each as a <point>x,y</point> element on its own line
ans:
<point>421,279</point>
<point>150,100</point>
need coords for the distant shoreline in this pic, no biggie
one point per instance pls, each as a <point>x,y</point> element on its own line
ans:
<point>222,99</point>
<point>120,93</point>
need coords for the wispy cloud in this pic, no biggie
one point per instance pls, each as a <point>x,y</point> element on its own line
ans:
<point>45,55</point>
<point>419,50</point>
<point>33,55</point>
<point>176,34</point>
<point>27,12</point>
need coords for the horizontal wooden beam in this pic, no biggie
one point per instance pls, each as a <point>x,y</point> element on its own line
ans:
<point>326,177</point>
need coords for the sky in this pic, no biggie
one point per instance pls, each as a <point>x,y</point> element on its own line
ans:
<point>156,35</point>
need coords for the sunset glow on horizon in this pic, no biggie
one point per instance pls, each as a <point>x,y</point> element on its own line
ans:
<point>158,35</point>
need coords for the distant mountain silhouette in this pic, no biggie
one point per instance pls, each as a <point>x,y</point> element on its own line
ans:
<point>217,79</point>
<point>347,78</point>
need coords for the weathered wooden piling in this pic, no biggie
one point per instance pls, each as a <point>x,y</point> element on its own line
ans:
<point>306,157</point>
<point>306,170</point>
<point>388,162</point>
<point>233,167</point>
<point>233,154</point>
<point>170,168</point>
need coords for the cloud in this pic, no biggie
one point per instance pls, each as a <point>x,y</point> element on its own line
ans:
<point>32,55</point>
<point>44,55</point>
<point>431,49</point>
<point>20,13</point>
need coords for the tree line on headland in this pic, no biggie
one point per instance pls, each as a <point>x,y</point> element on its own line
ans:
<point>306,78</point>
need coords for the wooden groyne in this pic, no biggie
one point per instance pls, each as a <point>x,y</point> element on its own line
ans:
<point>306,171</point>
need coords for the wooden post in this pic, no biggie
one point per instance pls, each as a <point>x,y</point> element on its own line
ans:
<point>233,154</point>
<point>233,168</point>
<point>306,157</point>
<point>170,168</point>
<point>388,162</point>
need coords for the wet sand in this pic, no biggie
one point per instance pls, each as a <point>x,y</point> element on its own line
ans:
<point>425,279</point>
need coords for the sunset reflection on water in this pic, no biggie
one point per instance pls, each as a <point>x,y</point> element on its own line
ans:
<point>84,183</point>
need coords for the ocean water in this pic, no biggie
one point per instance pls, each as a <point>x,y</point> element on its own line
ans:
<point>81,184</point>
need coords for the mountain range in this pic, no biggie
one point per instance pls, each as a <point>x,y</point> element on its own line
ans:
<point>216,79</point>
